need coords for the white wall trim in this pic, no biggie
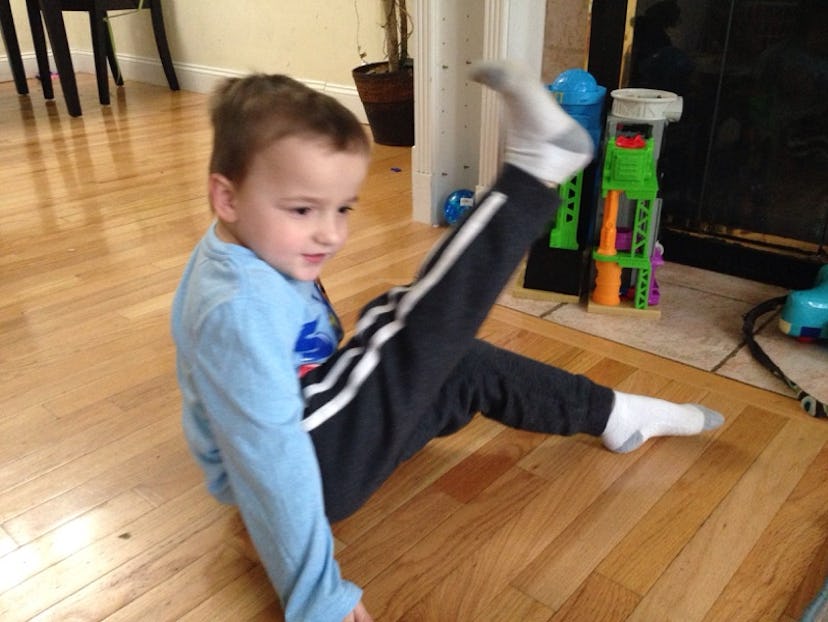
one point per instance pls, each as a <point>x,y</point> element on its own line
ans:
<point>196,78</point>
<point>424,105</point>
<point>512,30</point>
<point>454,150</point>
<point>29,64</point>
<point>446,103</point>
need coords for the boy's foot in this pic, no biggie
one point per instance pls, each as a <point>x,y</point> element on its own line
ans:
<point>541,138</point>
<point>635,418</point>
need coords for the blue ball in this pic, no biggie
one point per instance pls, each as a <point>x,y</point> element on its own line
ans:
<point>457,204</point>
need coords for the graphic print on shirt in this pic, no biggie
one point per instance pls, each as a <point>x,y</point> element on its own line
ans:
<point>316,343</point>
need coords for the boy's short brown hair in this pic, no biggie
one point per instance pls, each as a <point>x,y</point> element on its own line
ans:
<point>251,113</point>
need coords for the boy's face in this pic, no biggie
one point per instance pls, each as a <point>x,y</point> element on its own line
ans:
<point>292,207</point>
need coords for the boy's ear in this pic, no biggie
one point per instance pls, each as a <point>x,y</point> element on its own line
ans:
<point>222,196</point>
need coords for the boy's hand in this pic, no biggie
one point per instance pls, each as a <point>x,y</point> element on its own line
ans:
<point>359,614</point>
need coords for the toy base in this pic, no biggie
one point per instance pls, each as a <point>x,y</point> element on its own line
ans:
<point>624,308</point>
<point>521,291</point>
<point>555,270</point>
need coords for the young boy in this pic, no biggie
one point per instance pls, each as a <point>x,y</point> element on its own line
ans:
<point>298,431</point>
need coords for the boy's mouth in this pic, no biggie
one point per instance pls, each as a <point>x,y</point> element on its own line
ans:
<point>315,257</point>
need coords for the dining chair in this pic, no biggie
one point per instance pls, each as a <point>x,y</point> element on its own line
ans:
<point>102,46</point>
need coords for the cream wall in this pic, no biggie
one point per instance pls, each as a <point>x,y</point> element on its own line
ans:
<point>313,40</point>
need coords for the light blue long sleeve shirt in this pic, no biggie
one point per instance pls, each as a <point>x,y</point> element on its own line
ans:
<point>242,332</point>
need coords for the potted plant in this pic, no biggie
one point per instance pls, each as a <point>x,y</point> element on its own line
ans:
<point>386,88</point>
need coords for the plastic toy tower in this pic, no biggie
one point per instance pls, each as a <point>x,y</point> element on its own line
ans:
<point>556,267</point>
<point>564,233</point>
<point>583,99</point>
<point>629,168</point>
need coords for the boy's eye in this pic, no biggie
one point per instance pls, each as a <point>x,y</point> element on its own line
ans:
<point>345,209</point>
<point>301,211</point>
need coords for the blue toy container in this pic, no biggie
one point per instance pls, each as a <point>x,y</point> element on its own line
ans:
<point>583,98</point>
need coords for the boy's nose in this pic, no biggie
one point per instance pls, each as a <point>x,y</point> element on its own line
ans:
<point>329,231</point>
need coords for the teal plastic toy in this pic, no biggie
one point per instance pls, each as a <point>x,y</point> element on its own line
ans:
<point>805,312</point>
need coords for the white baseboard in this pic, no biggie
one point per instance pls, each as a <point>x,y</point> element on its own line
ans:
<point>196,78</point>
<point>29,65</point>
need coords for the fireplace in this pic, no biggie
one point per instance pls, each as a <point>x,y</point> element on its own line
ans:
<point>744,173</point>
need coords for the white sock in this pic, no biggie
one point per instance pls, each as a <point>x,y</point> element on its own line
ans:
<point>635,418</point>
<point>541,138</point>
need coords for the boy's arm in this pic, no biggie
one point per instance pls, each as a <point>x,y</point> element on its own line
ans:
<point>254,407</point>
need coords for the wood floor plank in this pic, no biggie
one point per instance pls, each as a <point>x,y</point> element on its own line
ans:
<point>555,575</point>
<point>378,550</point>
<point>477,472</point>
<point>244,598</point>
<point>433,563</point>
<point>161,527</point>
<point>156,571</point>
<point>550,351</point>
<point>18,440</point>
<point>698,575</point>
<point>510,605</point>
<point>577,474</point>
<point>113,374</point>
<point>62,440</point>
<point>415,475</point>
<point>599,598</point>
<point>174,597</point>
<point>812,582</point>
<point>7,543</point>
<point>792,540</point>
<point>54,546</point>
<point>43,501</point>
<point>156,474</point>
<point>68,383</point>
<point>647,549</point>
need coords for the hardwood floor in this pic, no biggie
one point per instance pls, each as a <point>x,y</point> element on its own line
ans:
<point>103,514</point>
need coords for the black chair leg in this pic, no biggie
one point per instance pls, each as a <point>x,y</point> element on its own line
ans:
<point>162,45</point>
<point>97,25</point>
<point>9,35</point>
<point>113,60</point>
<point>56,28</point>
<point>41,52</point>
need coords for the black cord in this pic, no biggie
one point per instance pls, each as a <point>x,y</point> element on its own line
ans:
<point>812,405</point>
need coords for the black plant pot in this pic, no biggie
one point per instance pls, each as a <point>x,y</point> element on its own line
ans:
<point>388,99</point>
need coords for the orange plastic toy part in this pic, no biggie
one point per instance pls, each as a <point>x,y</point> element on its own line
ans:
<point>606,243</point>
<point>607,283</point>
<point>608,273</point>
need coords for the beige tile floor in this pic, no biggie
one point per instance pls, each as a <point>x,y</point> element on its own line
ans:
<point>700,324</point>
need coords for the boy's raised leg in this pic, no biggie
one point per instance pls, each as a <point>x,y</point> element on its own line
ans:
<point>418,333</point>
<point>365,405</point>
